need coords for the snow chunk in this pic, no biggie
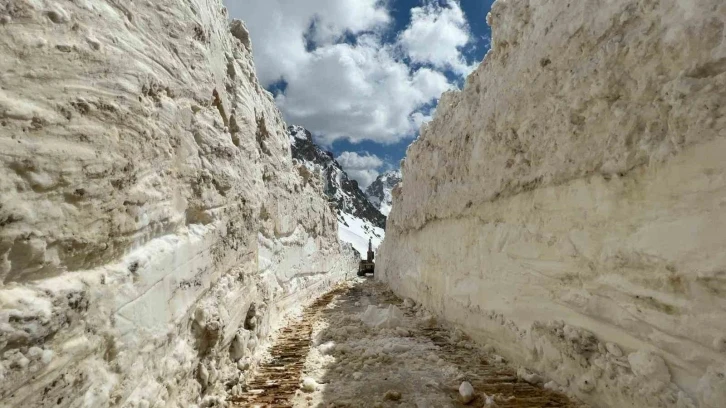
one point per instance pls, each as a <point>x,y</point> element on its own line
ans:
<point>388,318</point>
<point>309,385</point>
<point>587,382</point>
<point>47,356</point>
<point>327,348</point>
<point>531,378</point>
<point>35,353</point>
<point>646,364</point>
<point>57,15</point>
<point>466,392</point>
<point>240,31</point>
<point>613,349</point>
<point>392,395</point>
<point>554,387</point>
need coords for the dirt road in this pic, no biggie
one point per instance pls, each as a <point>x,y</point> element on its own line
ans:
<point>361,346</point>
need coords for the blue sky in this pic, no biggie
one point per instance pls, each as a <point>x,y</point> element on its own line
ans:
<point>362,75</point>
<point>476,12</point>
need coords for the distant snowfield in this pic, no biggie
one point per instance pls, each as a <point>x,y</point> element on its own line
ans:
<point>385,208</point>
<point>357,232</point>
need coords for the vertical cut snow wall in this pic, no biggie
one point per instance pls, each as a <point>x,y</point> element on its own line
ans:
<point>569,205</point>
<point>153,229</point>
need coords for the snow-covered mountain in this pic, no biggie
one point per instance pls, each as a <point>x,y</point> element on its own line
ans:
<point>379,192</point>
<point>358,219</point>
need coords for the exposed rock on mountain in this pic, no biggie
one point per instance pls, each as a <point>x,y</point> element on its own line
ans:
<point>379,193</point>
<point>567,207</point>
<point>153,227</point>
<point>358,219</point>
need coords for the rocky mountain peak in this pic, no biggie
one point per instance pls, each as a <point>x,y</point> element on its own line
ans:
<point>340,189</point>
<point>379,192</point>
<point>358,219</point>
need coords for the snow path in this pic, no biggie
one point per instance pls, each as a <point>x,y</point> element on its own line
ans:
<point>334,358</point>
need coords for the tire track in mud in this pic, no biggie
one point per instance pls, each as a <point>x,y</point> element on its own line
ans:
<point>494,379</point>
<point>277,379</point>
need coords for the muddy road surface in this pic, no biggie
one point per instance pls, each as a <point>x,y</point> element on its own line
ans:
<point>361,346</point>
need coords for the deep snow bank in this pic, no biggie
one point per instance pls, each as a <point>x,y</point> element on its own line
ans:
<point>153,228</point>
<point>568,205</point>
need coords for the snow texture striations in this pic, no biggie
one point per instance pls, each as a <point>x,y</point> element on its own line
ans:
<point>568,207</point>
<point>153,227</point>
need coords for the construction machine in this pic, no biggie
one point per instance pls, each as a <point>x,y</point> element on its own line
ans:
<point>367,265</point>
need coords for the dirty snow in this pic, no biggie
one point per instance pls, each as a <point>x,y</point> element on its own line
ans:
<point>371,349</point>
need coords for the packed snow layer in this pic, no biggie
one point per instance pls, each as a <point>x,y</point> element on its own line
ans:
<point>153,228</point>
<point>569,205</point>
<point>357,232</point>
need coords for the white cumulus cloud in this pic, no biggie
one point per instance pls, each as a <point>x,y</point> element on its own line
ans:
<point>363,168</point>
<point>359,92</point>
<point>341,80</point>
<point>279,28</point>
<point>436,36</point>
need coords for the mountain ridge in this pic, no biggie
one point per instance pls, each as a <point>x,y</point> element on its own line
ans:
<point>358,219</point>
<point>379,192</point>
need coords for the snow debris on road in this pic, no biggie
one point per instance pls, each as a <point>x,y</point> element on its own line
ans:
<point>466,392</point>
<point>389,318</point>
<point>392,395</point>
<point>529,377</point>
<point>371,349</point>
<point>309,385</point>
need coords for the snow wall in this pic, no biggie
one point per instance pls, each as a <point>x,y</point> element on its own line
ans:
<point>153,229</point>
<point>569,205</point>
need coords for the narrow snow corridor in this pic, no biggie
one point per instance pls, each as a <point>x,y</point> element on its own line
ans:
<point>361,346</point>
